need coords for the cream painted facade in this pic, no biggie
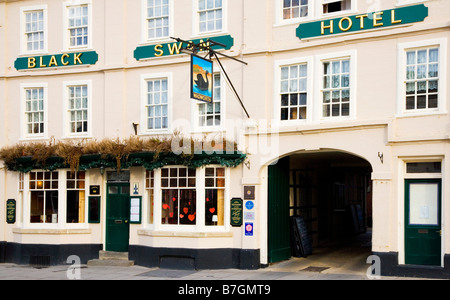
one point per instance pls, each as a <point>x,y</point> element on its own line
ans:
<point>373,129</point>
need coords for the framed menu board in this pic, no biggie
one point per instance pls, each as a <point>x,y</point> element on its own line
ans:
<point>135,209</point>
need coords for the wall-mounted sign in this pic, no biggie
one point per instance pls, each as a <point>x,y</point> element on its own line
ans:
<point>249,192</point>
<point>94,189</point>
<point>56,61</point>
<point>249,229</point>
<point>159,50</point>
<point>201,79</point>
<point>135,209</point>
<point>249,205</point>
<point>236,212</point>
<point>365,21</point>
<point>11,211</point>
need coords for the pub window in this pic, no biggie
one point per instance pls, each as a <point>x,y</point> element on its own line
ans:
<point>331,6</point>
<point>214,196</point>
<point>75,185</point>
<point>210,15</point>
<point>43,188</point>
<point>78,109</point>
<point>293,9</point>
<point>34,111</point>
<point>157,19</point>
<point>149,188</point>
<point>336,88</point>
<point>294,92</point>
<point>178,203</point>
<point>157,104</point>
<point>422,79</point>
<point>34,30</point>
<point>78,19</point>
<point>209,114</point>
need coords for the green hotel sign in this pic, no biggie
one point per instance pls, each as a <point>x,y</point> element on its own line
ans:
<point>159,50</point>
<point>55,61</point>
<point>366,21</point>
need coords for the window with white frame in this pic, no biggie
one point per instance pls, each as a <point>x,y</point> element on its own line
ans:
<point>34,30</point>
<point>210,114</point>
<point>78,108</point>
<point>210,15</point>
<point>179,196</point>
<point>149,188</point>
<point>336,88</point>
<point>76,196</point>
<point>422,79</point>
<point>294,9</point>
<point>78,29</point>
<point>43,187</point>
<point>157,19</point>
<point>332,6</point>
<point>157,104</point>
<point>293,92</point>
<point>34,111</point>
<point>214,196</point>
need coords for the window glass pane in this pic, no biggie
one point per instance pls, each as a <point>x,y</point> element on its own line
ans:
<point>423,204</point>
<point>424,167</point>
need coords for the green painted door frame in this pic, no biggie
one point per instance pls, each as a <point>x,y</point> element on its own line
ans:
<point>118,216</point>
<point>423,221</point>
<point>279,237</point>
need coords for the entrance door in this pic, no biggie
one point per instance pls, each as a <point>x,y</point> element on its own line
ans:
<point>279,239</point>
<point>118,217</point>
<point>423,222</point>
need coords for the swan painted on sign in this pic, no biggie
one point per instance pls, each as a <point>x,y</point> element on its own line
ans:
<point>201,83</point>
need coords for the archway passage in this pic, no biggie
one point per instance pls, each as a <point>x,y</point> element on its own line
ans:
<point>331,192</point>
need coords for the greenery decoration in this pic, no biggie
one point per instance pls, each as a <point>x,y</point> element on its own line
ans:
<point>151,153</point>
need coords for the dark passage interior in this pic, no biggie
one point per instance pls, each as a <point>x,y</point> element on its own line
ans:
<point>332,192</point>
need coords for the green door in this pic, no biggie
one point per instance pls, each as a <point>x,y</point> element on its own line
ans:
<point>279,239</point>
<point>423,222</point>
<point>118,217</point>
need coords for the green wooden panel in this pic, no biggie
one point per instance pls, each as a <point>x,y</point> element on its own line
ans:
<point>118,217</point>
<point>422,240</point>
<point>279,239</point>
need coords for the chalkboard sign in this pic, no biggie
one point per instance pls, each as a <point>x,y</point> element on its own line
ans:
<point>302,246</point>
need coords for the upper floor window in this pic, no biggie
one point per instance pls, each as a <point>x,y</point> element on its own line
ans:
<point>210,114</point>
<point>331,6</point>
<point>210,15</point>
<point>78,24</point>
<point>34,111</point>
<point>336,88</point>
<point>33,29</point>
<point>294,92</point>
<point>77,107</point>
<point>157,19</point>
<point>293,9</point>
<point>156,103</point>
<point>422,78</point>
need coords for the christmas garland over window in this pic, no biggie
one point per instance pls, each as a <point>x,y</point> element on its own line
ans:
<point>152,153</point>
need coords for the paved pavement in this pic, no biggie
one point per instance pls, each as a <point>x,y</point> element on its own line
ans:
<point>283,271</point>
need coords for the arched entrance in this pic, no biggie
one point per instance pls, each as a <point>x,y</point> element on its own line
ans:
<point>329,190</point>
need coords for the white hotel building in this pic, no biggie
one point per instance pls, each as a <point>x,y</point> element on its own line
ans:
<point>348,106</point>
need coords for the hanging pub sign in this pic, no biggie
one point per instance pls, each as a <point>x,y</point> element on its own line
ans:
<point>201,79</point>
<point>56,61</point>
<point>364,21</point>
